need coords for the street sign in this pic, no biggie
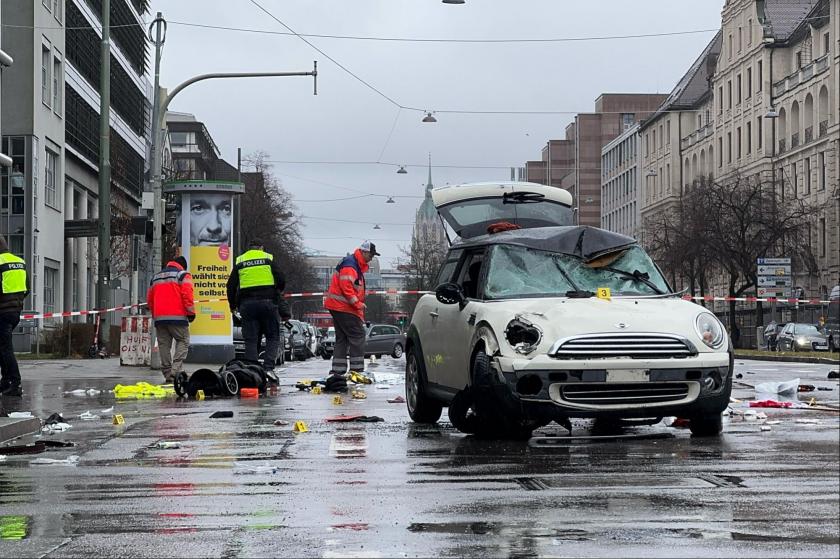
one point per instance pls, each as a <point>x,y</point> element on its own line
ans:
<point>773,261</point>
<point>778,292</point>
<point>774,281</point>
<point>778,270</point>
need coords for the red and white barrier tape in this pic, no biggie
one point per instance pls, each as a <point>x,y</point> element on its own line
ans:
<point>706,298</point>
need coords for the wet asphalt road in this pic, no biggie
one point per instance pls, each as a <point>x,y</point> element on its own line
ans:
<point>396,489</point>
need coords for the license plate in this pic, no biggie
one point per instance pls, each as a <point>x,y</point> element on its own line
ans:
<point>627,375</point>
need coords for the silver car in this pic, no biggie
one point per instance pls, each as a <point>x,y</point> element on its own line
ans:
<point>384,339</point>
<point>797,336</point>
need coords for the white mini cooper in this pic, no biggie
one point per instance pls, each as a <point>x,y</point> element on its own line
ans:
<point>542,321</point>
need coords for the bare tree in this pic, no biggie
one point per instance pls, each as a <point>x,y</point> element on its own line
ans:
<point>424,259</point>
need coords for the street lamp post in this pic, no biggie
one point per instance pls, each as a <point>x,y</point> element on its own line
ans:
<point>159,129</point>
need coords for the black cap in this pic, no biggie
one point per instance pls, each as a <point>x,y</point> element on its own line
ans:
<point>368,246</point>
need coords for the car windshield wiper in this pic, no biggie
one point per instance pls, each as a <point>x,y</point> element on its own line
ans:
<point>579,294</point>
<point>641,277</point>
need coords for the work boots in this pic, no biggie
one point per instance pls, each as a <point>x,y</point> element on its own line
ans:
<point>335,383</point>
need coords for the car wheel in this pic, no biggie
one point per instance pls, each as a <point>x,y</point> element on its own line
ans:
<point>709,425</point>
<point>421,408</point>
<point>490,424</point>
<point>229,384</point>
<point>397,352</point>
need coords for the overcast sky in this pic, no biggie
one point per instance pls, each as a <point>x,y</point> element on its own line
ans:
<point>347,121</point>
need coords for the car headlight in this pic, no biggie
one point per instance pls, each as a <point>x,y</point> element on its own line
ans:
<point>801,341</point>
<point>710,330</point>
<point>523,335</point>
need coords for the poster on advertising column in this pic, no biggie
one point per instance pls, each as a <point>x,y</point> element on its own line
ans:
<point>205,229</point>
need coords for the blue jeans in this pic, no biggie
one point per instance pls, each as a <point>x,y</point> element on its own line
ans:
<point>260,318</point>
<point>8,362</point>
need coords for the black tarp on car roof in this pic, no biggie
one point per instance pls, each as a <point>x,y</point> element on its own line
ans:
<point>582,241</point>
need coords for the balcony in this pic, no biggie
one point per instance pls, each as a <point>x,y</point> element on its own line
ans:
<point>809,134</point>
<point>696,136</point>
<point>794,140</point>
<point>782,145</point>
<point>801,75</point>
<point>823,128</point>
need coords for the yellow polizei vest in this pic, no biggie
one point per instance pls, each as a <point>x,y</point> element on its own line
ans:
<point>254,269</point>
<point>13,271</point>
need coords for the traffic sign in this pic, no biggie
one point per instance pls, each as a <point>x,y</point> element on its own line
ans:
<point>774,281</point>
<point>774,270</point>
<point>773,261</point>
<point>778,292</point>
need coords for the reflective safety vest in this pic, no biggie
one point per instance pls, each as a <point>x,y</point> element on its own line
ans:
<point>13,271</point>
<point>254,269</point>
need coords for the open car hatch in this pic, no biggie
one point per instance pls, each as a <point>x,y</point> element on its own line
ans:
<point>470,209</point>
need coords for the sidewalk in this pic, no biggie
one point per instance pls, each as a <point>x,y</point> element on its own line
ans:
<point>830,358</point>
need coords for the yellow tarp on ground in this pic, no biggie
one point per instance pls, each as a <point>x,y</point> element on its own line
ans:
<point>143,390</point>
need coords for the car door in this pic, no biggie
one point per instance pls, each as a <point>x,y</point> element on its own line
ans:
<point>786,337</point>
<point>374,341</point>
<point>453,324</point>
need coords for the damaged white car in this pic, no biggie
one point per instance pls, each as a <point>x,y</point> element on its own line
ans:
<point>542,321</point>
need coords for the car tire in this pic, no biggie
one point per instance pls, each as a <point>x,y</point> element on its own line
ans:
<point>494,426</point>
<point>228,384</point>
<point>462,413</point>
<point>421,407</point>
<point>397,352</point>
<point>180,384</point>
<point>709,425</point>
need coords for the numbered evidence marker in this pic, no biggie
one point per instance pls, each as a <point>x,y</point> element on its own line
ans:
<point>300,427</point>
<point>337,400</point>
<point>118,419</point>
<point>604,293</point>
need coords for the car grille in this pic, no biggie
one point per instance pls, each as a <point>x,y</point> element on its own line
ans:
<point>636,346</point>
<point>605,394</point>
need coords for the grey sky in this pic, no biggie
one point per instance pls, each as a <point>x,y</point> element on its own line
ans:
<point>346,121</point>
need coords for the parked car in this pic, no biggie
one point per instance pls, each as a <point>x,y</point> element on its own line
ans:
<point>797,336</point>
<point>295,347</point>
<point>239,343</point>
<point>832,321</point>
<point>384,339</point>
<point>771,334</point>
<point>380,339</point>
<point>553,321</point>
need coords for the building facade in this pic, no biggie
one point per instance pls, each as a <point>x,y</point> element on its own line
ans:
<point>574,163</point>
<point>51,131</point>
<point>621,184</point>
<point>761,102</point>
<point>428,228</point>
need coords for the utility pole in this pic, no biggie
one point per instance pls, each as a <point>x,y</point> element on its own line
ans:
<point>103,266</point>
<point>159,25</point>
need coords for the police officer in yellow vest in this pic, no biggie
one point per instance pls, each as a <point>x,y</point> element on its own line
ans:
<point>255,289</point>
<point>15,288</point>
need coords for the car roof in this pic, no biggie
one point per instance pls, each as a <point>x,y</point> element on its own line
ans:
<point>582,241</point>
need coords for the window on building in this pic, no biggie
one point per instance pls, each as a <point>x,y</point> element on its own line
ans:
<point>699,122</point>
<point>720,152</point>
<point>799,60</point>
<point>806,188</point>
<point>654,140</point>
<point>51,193</point>
<point>12,179</point>
<point>759,129</point>
<point>740,39</point>
<point>720,100</point>
<point>749,83</point>
<point>749,138</point>
<point>749,31</point>
<point>50,284</point>
<point>738,81</point>
<point>627,120</point>
<point>738,138</point>
<point>729,94</point>
<point>759,75</point>
<point>57,9</point>
<point>822,236</point>
<point>729,44</point>
<point>75,286</point>
<point>821,170</point>
<point>668,133</point>
<point>668,177</point>
<point>794,180</point>
<point>729,147</point>
<point>647,144</point>
<point>45,75</point>
<point>56,85</point>
<point>826,44</point>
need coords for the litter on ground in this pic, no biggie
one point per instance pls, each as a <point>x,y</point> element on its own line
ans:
<point>87,416</point>
<point>143,390</point>
<point>69,461</point>
<point>20,414</point>
<point>249,469</point>
<point>789,387</point>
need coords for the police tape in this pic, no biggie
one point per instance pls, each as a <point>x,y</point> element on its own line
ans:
<point>704,298</point>
<point>66,314</point>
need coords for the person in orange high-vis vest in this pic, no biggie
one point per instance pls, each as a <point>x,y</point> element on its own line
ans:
<point>346,303</point>
<point>171,302</point>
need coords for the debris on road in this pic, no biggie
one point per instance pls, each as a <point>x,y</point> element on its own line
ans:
<point>806,388</point>
<point>85,392</point>
<point>834,374</point>
<point>248,469</point>
<point>31,448</point>
<point>143,390</point>
<point>281,422</point>
<point>166,445</point>
<point>358,394</point>
<point>69,461</point>
<point>249,393</point>
<point>789,387</point>
<point>354,417</point>
<point>221,415</point>
<point>808,421</point>
<point>87,416</point>
<point>397,400</point>
<point>765,427</point>
<point>770,404</point>
<point>359,378</point>
<point>50,443</point>
<point>20,415</point>
<point>681,423</point>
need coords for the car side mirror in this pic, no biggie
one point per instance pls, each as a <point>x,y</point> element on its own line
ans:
<point>450,293</point>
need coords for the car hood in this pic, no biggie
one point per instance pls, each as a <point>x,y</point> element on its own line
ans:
<point>561,317</point>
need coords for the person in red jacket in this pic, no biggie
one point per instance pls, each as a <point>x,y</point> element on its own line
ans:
<point>170,300</point>
<point>346,303</point>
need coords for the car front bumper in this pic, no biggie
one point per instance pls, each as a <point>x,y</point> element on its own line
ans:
<point>547,387</point>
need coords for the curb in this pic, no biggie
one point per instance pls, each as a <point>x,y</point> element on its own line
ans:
<point>13,428</point>
<point>788,359</point>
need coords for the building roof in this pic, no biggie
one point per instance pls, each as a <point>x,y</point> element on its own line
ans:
<point>783,17</point>
<point>694,85</point>
<point>427,211</point>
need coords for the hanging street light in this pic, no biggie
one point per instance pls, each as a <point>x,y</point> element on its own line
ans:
<point>429,118</point>
<point>402,171</point>
<point>377,226</point>
<point>390,200</point>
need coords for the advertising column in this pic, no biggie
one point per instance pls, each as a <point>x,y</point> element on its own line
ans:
<point>205,229</point>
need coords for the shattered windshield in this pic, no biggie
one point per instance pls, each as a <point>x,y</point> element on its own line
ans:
<point>524,272</point>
